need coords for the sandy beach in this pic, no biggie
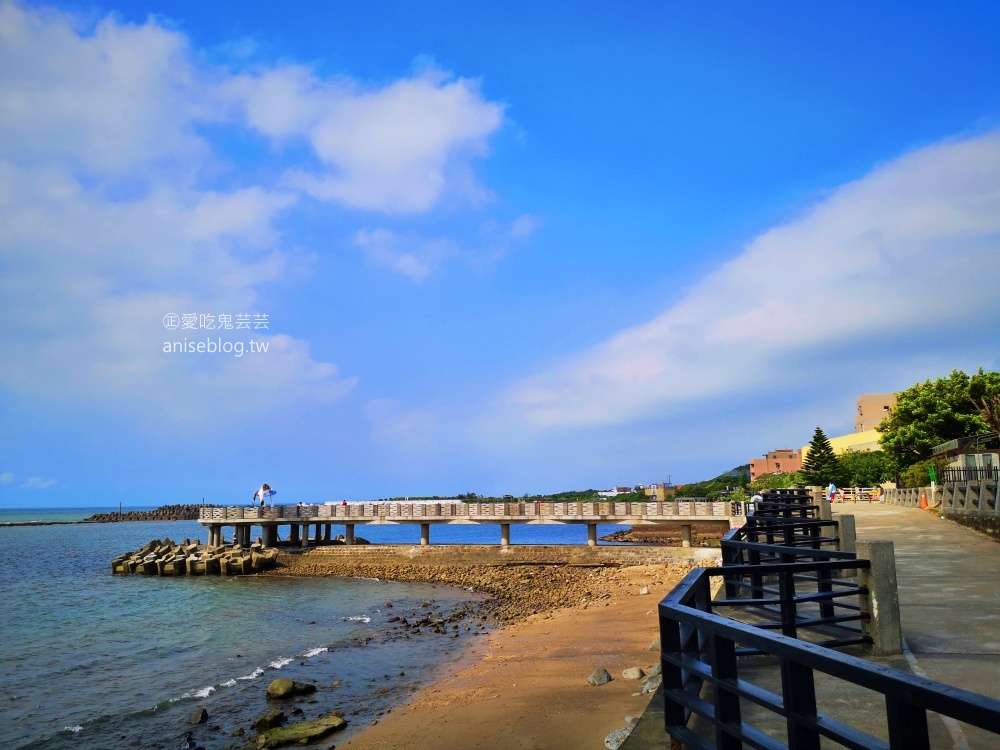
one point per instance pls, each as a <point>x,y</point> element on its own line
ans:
<point>525,686</point>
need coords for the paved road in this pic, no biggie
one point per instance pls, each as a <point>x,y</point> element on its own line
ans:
<point>949,597</point>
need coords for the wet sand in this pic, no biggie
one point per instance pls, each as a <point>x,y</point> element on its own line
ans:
<point>529,688</point>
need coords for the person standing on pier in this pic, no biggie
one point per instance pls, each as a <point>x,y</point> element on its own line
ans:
<point>265,492</point>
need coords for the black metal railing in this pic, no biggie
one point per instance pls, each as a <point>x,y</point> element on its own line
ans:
<point>786,596</point>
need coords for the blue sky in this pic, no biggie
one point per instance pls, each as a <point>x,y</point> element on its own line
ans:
<point>502,247</point>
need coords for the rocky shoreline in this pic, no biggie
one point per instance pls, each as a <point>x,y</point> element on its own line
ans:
<point>515,591</point>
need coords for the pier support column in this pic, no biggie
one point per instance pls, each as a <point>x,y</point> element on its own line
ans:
<point>293,534</point>
<point>686,535</point>
<point>591,534</point>
<point>327,532</point>
<point>425,534</point>
<point>268,535</point>
<point>505,535</point>
<point>349,533</point>
<point>305,535</point>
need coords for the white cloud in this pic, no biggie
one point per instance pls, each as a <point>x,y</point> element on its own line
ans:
<point>37,483</point>
<point>107,220</point>
<point>90,268</point>
<point>6,478</point>
<point>130,92</point>
<point>523,227</point>
<point>407,255</point>
<point>907,252</point>
<point>398,149</point>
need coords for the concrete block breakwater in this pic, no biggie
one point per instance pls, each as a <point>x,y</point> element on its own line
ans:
<point>167,558</point>
<point>187,512</point>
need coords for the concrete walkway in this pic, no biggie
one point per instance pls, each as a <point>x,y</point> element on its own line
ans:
<point>949,598</point>
<point>949,591</point>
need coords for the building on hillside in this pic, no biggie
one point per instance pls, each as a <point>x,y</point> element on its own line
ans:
<point>856,441</point>
<point>658,492</point>
<point>615,492</point>
<point>872,409</point>
<point>782,460</point>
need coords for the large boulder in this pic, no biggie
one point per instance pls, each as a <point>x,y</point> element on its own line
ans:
<point>284,688</point>
<point>200,716</point>
<point>270,720</point>
<point>302,733</point>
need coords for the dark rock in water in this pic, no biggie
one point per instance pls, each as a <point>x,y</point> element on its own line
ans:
<point>200,716</point>
<point>599,677</point>
<point>302,733</point>
<point>284,688</point>
<point>270,720</point>
<point>238,733</point>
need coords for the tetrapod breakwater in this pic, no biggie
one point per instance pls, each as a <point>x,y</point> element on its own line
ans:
<point>166,558</point>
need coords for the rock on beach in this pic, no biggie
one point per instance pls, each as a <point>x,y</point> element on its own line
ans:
<point>599,677</point>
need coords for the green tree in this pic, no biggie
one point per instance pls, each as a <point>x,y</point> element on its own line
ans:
<point>918,475</point>
<point>932,412</point>
<point>776,481</point>
<point>865,468</point>
<point>984,392</point>
<point>821,465</point>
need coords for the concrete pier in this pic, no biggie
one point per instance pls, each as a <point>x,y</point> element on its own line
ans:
<point>298,518</point>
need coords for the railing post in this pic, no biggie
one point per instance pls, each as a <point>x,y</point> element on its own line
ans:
<point>907,725</point>
<point>882,600</point>
<point>722,652</point>
<point>673,676</point>
<point>846,533</point>
<point>799,693</point>
<point>786,592</point>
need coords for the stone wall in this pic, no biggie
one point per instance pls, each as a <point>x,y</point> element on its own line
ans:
<point>973,498</point>
<point>486,554</point>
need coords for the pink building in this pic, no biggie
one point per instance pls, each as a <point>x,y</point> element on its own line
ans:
<point>782,460</point>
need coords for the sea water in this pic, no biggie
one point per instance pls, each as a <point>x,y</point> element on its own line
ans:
<point>93,660</point>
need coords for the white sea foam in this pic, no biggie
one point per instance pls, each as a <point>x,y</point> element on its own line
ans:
<point>314,652</point>
<point>253,675</point>
<point>203,693</point>
<point>74,730</point>
<point>279,663</point>
<point>228,683</point>
<point>358,618</point>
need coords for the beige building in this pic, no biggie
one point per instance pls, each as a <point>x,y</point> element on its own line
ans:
<point>781,460</point>
<point>872,409</point>
<point>857,441</point>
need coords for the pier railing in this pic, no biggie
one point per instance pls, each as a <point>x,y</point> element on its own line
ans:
<point>682,508</point>
<point>709,700</point>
